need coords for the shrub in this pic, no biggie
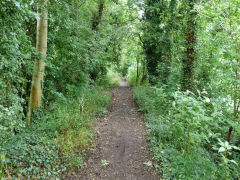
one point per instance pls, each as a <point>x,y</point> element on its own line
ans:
<point>57,139</point>
<point>184,131</point>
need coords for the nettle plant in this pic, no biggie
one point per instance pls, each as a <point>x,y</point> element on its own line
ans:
<point>225,150</point>
<point>189,120</point>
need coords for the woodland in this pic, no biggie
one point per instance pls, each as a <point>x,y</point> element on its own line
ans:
<point>59,58</point>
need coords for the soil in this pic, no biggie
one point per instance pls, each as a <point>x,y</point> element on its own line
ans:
<point>121,151</point>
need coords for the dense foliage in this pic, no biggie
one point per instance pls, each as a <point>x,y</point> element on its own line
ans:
<point>192,99</point>
<point>82,44</point>
<point>188,134</point>
<point>56,140</point>
<point>182,56</point>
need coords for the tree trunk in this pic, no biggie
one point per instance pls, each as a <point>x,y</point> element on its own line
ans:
<point>235,101</point>
<point>41,46</point>
<point>168,42</point>
<point>98,16</point>
<point>137,78</point>
<point>188,62</point>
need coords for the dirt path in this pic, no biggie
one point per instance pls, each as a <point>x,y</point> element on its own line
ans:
<point>121,149</point>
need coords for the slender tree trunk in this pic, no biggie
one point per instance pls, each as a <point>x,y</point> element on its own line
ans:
<point>236,100</point>
<point>167,66</point>
<point>169,42</point>
<point>143,62</point>
<point>235,104</point>
<point>98,16</point>
<point>188,61</point>
<point>137,78</point>
<point>41,46</point>
<point>144,73</point>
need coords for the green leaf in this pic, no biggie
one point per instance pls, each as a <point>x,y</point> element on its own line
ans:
<point>221,149</point>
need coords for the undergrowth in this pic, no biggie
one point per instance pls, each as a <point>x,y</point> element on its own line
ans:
<point>111,79</point>
<point>56,141</point>
<point>132,76</point>
<point>188,134</point>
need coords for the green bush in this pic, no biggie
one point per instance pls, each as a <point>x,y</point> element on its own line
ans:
<point>184,132</point>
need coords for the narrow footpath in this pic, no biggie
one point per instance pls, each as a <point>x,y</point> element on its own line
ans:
<point>121,151</point>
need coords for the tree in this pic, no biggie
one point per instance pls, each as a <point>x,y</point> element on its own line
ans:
<point>158,36</point>
<point>188,61</point>
<point>97,16</point>
<point>41,46</point>
<point>153,17</point>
